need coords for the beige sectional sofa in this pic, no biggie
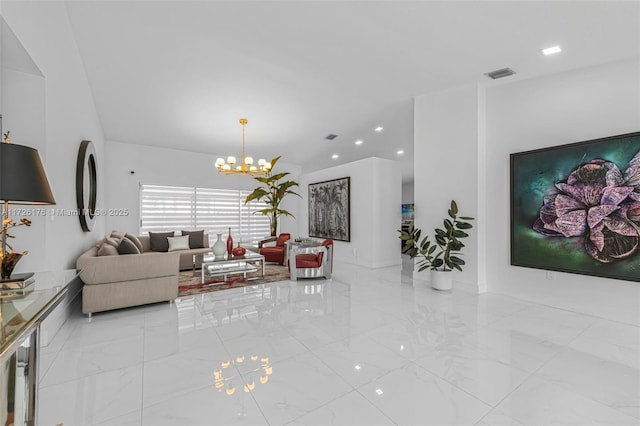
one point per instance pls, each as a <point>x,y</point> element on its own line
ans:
<point>120,281</point>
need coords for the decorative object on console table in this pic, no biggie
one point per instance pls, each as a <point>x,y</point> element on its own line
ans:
<point>272,193</point>
<point>219,248</point>
<point>22,181</point>
<point>229,244</point>
<point>329,209</point>
<point>447,243</point>
<point>576,208</point>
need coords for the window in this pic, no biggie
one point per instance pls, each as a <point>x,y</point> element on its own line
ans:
<point>174,208</point>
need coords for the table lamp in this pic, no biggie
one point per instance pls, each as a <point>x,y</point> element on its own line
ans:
<point>22,181</point>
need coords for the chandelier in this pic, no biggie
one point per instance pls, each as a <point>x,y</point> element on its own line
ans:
<point>246,164</point>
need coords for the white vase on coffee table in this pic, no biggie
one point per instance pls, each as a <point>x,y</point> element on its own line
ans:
<point>219,248</point>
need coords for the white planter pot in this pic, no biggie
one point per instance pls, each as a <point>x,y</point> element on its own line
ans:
<point>442,280</point>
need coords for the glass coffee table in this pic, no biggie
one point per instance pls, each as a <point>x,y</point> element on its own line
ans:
<point>213,266</point>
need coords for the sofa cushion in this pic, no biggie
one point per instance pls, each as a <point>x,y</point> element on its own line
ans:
<point>127,246</point>
<point>109,269</point>
<point>159,240</point>
<point>178,243</point>
<point>196,238</point>
<point>107,250</point>
<point>135,240</point>
<point>115,242</point>
<point>117,235</point>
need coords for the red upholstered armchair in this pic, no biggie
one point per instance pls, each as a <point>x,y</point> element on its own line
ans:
<point>274,253</point>
<point>312,262</point>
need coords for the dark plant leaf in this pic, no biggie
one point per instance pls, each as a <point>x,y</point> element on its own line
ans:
<point>454,207</point>
<point>448,224</point>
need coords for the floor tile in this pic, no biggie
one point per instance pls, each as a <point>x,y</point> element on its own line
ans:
<point>609,383</point>
<point>92,399</point>
<point>611,341</point>
<point>517,349</point>
<point>351,409</point>
<point>484,377</point>
<point>359,360</point>
<point>296,386</point>
<point>538,402</point>
<point>413,396</point>
<point>73,363</point>
<point>205,406</point>
<point>545,323</point>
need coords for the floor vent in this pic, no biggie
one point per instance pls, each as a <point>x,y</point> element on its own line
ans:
<point>330,137</point>
<point>504,72</point>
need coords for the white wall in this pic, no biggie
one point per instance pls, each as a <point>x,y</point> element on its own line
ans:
<point>70,116</point>
<point>446,138</point>
<point>161,166</point>
<point>482,127</point>
<point>375,211</point>
<point>407,193</point>
<point>564,108</point>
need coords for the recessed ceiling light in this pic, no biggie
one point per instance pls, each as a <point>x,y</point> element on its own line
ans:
<point>379,391</point>
<point>358,142</point>
<point>334,156</point>
<point>400,152</point>
<point>551,50</point>
<point>379,129</point>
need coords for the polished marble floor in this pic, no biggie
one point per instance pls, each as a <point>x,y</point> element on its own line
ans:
<point>369,347</point>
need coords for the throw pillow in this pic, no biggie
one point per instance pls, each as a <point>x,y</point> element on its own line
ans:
<point>127,246</point>
<point>135,240</point>
<point>159,240</point>
<point>117,234</point>
<point>178,243</point>
<point>107,250</point>
<point>196,238</point>
<point>115,242</point>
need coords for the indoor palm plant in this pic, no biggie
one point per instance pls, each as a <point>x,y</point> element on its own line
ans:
<point>272,191</point>
<point>444,254</point>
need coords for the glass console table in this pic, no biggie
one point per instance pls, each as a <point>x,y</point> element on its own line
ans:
<point>213,266</point>
<point>21,313</point>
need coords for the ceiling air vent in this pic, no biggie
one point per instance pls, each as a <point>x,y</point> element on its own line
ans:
<point>504,72</point>
<point>330,137</point>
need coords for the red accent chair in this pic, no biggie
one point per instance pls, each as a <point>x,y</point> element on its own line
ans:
<point>274,253</point>
<point>312,262</point>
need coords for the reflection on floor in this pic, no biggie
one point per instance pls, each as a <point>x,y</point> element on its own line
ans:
<point>369,347</point>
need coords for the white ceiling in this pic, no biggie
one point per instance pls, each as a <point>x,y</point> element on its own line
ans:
<point>180,74</point>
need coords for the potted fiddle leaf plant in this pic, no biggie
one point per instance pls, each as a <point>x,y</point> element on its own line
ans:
<point>442,256</point>
<point>273,189</point>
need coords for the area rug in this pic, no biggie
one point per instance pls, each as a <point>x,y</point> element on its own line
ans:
<point>189,284</point>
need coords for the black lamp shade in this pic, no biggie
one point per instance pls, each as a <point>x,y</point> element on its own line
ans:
<point>22,176</point>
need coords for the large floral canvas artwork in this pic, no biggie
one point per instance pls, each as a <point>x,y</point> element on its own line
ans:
<point>329,204</point>
<point>576,208</point>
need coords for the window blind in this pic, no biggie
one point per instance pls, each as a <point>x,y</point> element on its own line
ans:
<point>174,208</point>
